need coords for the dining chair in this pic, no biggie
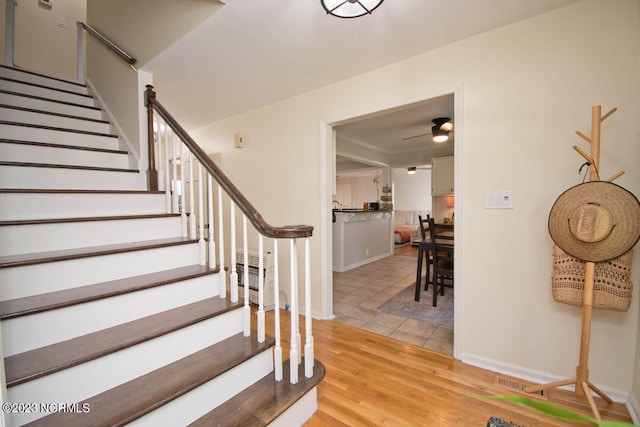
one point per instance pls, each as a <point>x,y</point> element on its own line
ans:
<point>442,250</point>
<point>424,250</point>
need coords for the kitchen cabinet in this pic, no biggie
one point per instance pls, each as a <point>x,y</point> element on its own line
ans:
<point>442,176</point>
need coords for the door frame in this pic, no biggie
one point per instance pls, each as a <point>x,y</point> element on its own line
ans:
<point>327,187</point>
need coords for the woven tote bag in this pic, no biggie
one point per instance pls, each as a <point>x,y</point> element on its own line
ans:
<point>612,285</point>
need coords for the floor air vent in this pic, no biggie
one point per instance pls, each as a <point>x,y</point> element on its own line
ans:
<point>519,386</point>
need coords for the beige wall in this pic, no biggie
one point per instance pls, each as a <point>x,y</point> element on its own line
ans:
<point>144,28</point>
<point>46,37</point>
<point>522,91</point>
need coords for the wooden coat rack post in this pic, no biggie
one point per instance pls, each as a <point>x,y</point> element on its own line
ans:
<point>581,380</point>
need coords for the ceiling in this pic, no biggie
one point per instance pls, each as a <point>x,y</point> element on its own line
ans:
<point>251,53</point>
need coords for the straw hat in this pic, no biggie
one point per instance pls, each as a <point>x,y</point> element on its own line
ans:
<point>595,221</point>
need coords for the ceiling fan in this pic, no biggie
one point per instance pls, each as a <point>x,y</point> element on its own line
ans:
<point>440,130</point>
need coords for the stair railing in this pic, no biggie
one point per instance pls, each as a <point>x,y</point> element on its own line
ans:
<point>170,148</point>
<point>82,26</point>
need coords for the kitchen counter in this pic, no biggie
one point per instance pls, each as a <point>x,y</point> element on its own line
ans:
<point>360,237</point>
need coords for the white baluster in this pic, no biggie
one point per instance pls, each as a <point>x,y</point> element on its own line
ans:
<point>192,212</point>
<point>183,209</point>
<point>174,175</point>
<point>201,243</point>
<point>233,276</point>
<point>167,174</point>
<point>223,275</point>
<point>260,313</point>
<point>309,345</point>
<point>293,351</point>
<point>245,251</point>
<point>212,243</point>
<point>277,350</point>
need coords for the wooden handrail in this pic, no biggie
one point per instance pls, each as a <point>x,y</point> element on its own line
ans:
<point>287,231</point>
<point>109,44</point>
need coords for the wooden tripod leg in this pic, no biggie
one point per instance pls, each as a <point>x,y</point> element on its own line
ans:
<point>600,393</point>
<point>592,403</point>
<point>556,384</point>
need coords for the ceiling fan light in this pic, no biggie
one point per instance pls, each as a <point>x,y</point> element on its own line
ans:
<point>446,126</point>
<point>439,135</point>
<point>350,8</point>
<point>411,170</point>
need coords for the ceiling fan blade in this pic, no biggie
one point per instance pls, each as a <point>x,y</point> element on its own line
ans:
<point>417,136</point>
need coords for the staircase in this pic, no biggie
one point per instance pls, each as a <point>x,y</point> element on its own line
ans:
<point>107,315</point>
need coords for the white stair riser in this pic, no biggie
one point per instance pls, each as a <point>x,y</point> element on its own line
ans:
<point>83,381</point>
<point>39,104</point>
<point>19,206</point>
<point>198,402</point>
<point>61,178</point>
<point>43,119</point>
<point>32,238</point>
<point>17,282</point>
<point>22,133</point>
<point>12,73</point>
<point>37,330</point>
<point>299,412</point>
<point>48,93</point>
<point>11,152</point>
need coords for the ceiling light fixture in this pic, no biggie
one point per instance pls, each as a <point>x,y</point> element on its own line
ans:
<point>441,129</point>
<point>350,8</point>
<point>411,170</point>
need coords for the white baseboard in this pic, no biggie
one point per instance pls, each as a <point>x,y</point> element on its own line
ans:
<point>633,406</point>
<point>535,376</point>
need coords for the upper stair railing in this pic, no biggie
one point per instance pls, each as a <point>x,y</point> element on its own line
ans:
<point>177,165</point>
<point>105,42</point>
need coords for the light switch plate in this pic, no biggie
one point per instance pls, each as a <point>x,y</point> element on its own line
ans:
<point>498,199</point>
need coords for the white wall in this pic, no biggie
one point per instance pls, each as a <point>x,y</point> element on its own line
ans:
<point>363,189</point>
<point>523,91</point>
<point>411,192</point>
<point>46,37</point>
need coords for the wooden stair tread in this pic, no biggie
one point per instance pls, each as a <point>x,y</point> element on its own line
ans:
<point>261,403</point>
<point>50,113</point>
<point>46,76</point>
<point>58,166</point>
<point>67,254</point>
<point>63,146</point>
<point>74,191</point>
<point>46,360</point>
<point>52,300</point>
<point>9,79</point>
<point>129,401</point>
<point>42,98</point>
<point>87,219</point>
<point>58,129</point>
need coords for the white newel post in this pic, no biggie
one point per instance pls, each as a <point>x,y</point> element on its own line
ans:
<point>183,210</point>
<point>192,209</point>
<point>174,175</point>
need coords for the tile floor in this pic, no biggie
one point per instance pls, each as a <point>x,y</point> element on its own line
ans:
<point>358,292</point>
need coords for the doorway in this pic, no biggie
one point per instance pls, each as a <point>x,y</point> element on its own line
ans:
<point>333,141</point>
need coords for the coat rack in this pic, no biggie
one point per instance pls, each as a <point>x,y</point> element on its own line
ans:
<point>581,380</point>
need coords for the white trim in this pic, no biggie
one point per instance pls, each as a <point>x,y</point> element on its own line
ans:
<point>535,376</point>
<point>634,409</point>
<point>458,300</point>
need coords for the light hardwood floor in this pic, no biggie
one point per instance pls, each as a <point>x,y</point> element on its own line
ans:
<point>373,380</point>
